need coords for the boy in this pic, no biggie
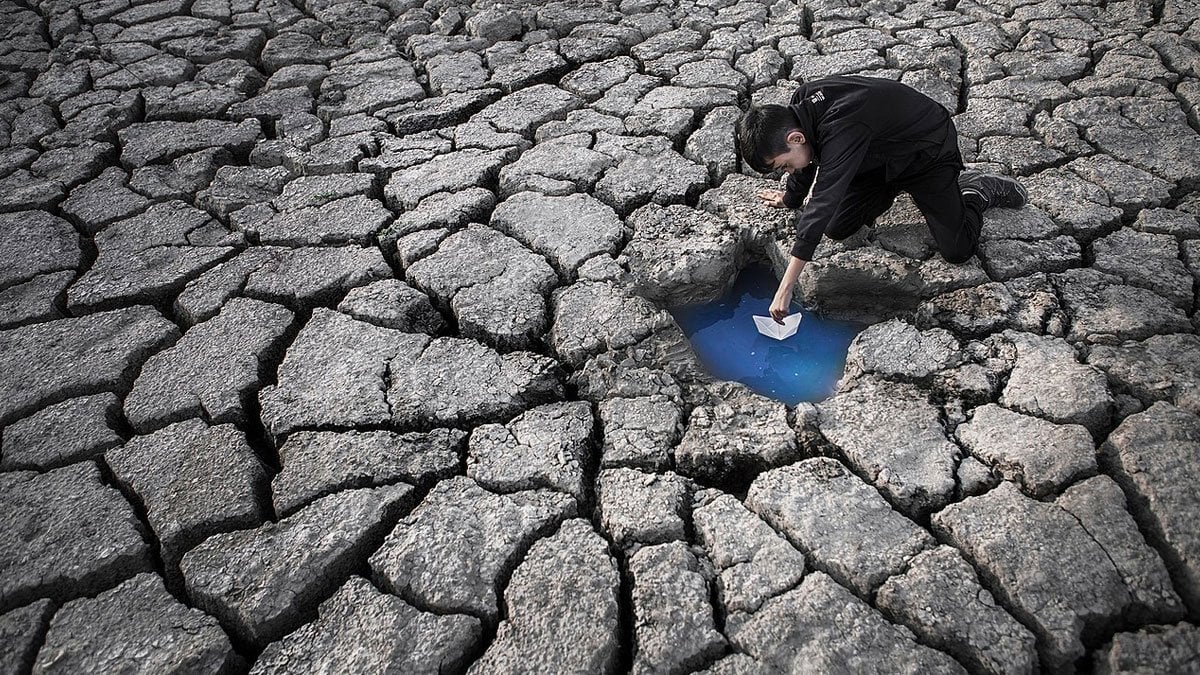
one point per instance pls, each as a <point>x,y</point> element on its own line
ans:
<point>872,138</point>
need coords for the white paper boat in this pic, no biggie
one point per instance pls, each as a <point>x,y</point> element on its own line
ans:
<point>767,326</point>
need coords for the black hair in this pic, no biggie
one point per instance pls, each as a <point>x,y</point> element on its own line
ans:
<point>762,135</point>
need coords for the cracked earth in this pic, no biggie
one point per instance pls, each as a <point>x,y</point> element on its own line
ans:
<point>333,338</point>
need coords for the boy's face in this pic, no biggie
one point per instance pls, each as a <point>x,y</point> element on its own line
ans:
<point>797,156</point>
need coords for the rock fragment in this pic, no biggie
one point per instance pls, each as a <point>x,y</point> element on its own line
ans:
<point>679,255</point>
<point>1046,566</point>
<point>554,169</point>
<point>822,626</point>
<point>36,243</point>
<point>158,142</point>
<point>494,25</point>
<point>214,369</point>
<point>865,284</point>
<point>1167,221</point>
<point>336,373</point>
<point>734,436</point>
<point>591,80</point>
<point>462,71</point>
<point>590,318</point>
<point>1083,207</point>
<point>134,627</point>
<point>452,172</point>
<point>317,463</point>
<point>524,111</point>
<point>972,312</point>
<point>457,382</point>
<point>63,433</point>
<point>663,177</point>
<point>562,608</point>
<point>47,362</point>
<point>1153,648</point>
<point>890,432</point>
<point>22,633</point>
<point>640,432</point>
<point>1049,382</point>
<point>1150,134</point>
<point>1025,224</point>
<point>297,278</point>
<point>152,255</point>
<point>759,225</point>
<point>66,535</point>
<point>1011,258</point>
<point>360,629</point>
<point>437,112</point>
<point>453,210</point>
<point>940,598</point>
<point>352,219</point>
<point>641,508</point>
<point>194,481</point>
<point>359,86</point>
<point>34,300</point>
<point>1152,455</point>
<point>566,229</point>
<point>391,303</point>
<point>235,187</point>
<point>842,524</point>
<point>1159,368</point>
<point>674,623</point>
<point>1040,455</point>
<point>712,145</point>
<point>1105,311</point>
<point>753,562</point>
<point>450,553</point>
<point>897,350</point>
<point>1146,260</point>
<point>262,582</point>
<point>21,190</point>
<point>1100,506</point>
<point>495,287</point>
<point>545,447</point>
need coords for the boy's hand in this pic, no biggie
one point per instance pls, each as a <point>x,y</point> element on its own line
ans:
<point>772,198</point>
<point>780,305</point>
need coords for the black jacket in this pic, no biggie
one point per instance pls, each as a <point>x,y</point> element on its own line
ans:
<point>857,125</point>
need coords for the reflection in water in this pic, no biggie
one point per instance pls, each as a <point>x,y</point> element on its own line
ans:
<point>804,367</point>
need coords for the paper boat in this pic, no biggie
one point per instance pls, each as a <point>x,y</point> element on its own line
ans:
<point>767,326</point>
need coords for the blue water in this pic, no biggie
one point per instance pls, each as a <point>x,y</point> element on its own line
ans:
<point>803,367</point>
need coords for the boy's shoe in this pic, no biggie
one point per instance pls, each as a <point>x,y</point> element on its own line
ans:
<point>993,190</point>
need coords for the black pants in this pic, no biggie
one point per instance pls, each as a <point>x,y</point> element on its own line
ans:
<point>953,221</point>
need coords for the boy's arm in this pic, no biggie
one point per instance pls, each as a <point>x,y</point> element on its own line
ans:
<point>798,185</point>
<point>842,155</point>
<point>845,150</point>
<point>783,297</point>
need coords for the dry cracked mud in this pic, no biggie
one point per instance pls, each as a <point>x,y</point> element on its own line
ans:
<point>333,338</point>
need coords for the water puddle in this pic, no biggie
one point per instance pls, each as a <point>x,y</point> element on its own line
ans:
<point>803,367</point>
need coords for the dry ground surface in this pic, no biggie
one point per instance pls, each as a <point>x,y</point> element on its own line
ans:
<point>333,339</point>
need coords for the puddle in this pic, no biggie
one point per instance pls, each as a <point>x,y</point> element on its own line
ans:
<point>803,367</point>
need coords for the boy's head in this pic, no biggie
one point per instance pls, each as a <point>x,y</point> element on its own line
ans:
<point>764,133</point>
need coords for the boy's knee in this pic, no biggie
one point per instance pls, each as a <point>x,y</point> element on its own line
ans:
<point>958,257</point>
<point>844,230</point>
